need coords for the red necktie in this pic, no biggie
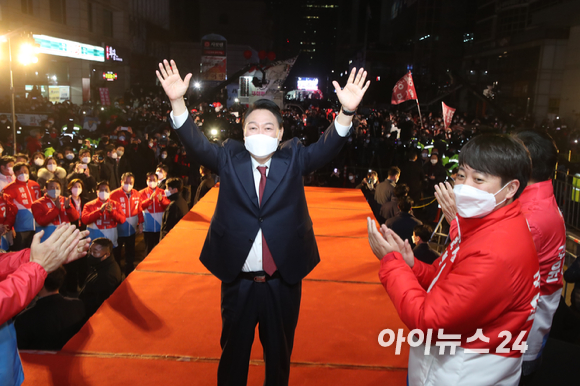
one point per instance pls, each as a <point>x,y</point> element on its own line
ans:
<point>268,263</point>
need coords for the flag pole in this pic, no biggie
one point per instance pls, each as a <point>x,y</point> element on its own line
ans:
<point>420,117</point>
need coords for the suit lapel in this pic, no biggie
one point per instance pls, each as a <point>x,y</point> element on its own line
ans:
<point>278,168</point>
<point>243,167</point>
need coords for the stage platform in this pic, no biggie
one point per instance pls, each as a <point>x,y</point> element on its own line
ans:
<point>162,325</point>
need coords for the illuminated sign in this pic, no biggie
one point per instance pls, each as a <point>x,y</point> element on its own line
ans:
<point>110,76</point>
<point>111,54</point>
<point>61,47</point>
<point>310,84</point>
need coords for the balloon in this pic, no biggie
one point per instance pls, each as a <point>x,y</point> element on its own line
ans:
<point>271,56</point>
<point>247,54</point>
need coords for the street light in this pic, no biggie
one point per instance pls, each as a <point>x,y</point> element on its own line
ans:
<point>25,57</point>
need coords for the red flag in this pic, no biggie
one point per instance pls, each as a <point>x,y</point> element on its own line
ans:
<point>404,90</point>
<point>447,114</point>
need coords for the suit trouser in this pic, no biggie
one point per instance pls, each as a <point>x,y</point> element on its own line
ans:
<point>129,243</point>
<point>274,306</point>
<point>151,240</point>
<point>22,240</point>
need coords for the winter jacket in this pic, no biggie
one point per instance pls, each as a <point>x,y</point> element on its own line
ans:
<point>103,224</point>
<point>131,208</point>
<point>48,217</point>
<point>153,208</point>
<point>23,194</point>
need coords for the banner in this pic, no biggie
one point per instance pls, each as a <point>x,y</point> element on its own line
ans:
<point>447,114</point>
<point>27,119</point>
<point>104,94</point>
<point>214,58</point>
<point>404,90</point>
<point>276,74</point>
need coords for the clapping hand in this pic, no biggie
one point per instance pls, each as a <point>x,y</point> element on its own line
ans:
<point>387,241</point>
<point>351,95</point>
<point>66,244</point>
<point>446,198</point>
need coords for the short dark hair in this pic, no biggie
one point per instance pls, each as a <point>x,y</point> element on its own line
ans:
<point>6,159</point>
<point>110,148</point>
<point>100,153</point>
<point>104,242</point>
<point>127,174</point>
<point>205,169</point>
<point>22,155</point>
<point>498,155</point>
<point>411,153</point>
<point>152,174</point>
<point>401,190</point>
<point>393,171</point>
<point>83,151</point>
<point>406,204</point>
<point>175,183</point>
<point>55,279</point>
<point>104,182</point>
<point>543,152</point>
<point>163,167</point>
<point>74,181</point>
<point>20,165</point>
<point>423,232</point>
<point>265,104</point>
<point>38,153</point>
<point>54,180</point>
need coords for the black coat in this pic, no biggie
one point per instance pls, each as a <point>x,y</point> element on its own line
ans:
<point>110,172</point>
<point>403,224</point>
<point>424,253</point>
<point>206,184</point>
<point>283,213</point>
<point>102,281</point>
<point>412,175</point>
<point>50,323</point>
<point>173,213</point>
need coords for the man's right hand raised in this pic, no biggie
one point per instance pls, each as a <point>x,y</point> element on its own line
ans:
<point>173,85</point>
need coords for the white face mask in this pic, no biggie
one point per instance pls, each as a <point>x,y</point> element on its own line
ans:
<point>127,187</point>
<point>167,193</point>
<point>261,145</point>
<point>23,177</point>
<point>69,156</point>
<point>114,155</point>
<point>39,162</point>
<point>103,196</point>
<point>163,156</point>
<point>472,202</point>
<point>152,184</point>
<point>76,191</point>
<point>86,160</point>
<point>160,175</point>
<point>51,167</point>
<point>433,161</point>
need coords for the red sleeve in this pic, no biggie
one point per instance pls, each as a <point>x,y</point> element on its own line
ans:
<point>146,201</point>
<point>464,300</point>
<point>91,214</point>
<point>117,214</point>
<point>72,213</point>
<point>11,211</point>
<point>21,286</point>
<point>42,215</point>
<point>425,273</point>
<point>10,261</point>
<point>140,210</point>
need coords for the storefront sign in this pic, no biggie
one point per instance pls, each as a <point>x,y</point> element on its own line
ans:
<point>111,54</point>
<point>110,76</point>
<point>61,47</point>
<point>57,94</point>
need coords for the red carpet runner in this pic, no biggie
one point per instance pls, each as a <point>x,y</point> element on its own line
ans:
<point>162,326</point>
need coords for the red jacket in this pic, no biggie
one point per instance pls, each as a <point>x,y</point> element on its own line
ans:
<point>23,194</point>
<point>130,207</point>
<point>7,211</point>
<point>45,212</point>
<point>151,203</point>
<point>20,282</point>
<point>488,279</point>
<point>103,220</point>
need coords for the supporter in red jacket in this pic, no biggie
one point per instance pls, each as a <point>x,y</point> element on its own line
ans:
<point>130,203</point>
<point>7,217</point>
<point>154,202</point>
<point>102,215</point>
<point>549,233</point>
<point>53,209</point>
<point>23,193</point>
<point>22,276</point>
<point>480,296</point>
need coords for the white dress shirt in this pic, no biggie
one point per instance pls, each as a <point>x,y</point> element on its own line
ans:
<point>253,262</point>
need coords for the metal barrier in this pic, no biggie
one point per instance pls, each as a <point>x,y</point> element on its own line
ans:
<point>568,199</point>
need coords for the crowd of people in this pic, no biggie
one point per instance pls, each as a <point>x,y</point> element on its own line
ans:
<point>119,171</point>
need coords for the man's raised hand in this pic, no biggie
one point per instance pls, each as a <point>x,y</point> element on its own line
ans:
<point>174,86</point>
<point>63,246</point>
<point>351,95</point>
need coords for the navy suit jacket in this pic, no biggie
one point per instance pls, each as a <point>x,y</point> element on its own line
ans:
<point>283,215</point>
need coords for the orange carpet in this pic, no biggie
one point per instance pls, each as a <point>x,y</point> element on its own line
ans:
<point>162,326</point>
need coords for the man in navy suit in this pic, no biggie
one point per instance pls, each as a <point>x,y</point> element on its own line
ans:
<point>260,243</point>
